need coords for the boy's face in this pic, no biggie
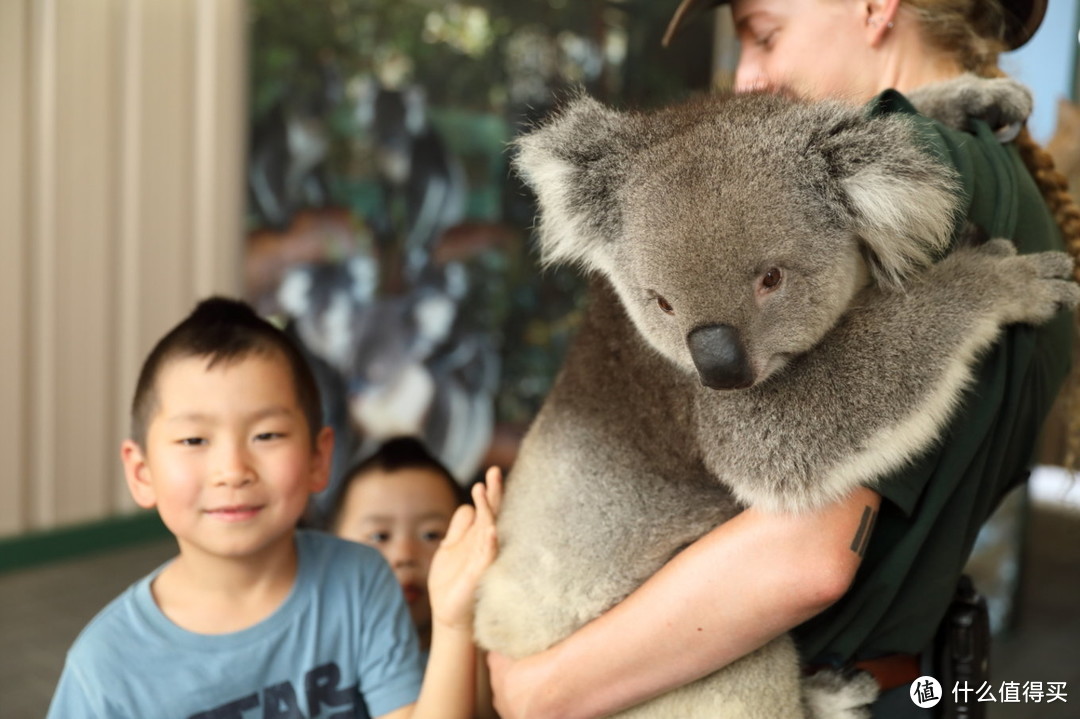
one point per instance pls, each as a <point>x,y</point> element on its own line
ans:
<point>404,514</point>
<point>228,460</point>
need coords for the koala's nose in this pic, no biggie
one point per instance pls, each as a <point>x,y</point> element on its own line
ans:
<point>720,357</point>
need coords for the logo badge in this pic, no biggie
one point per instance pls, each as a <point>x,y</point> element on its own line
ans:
<point>925,692</point>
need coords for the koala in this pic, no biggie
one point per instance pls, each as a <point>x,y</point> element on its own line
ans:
<point>773,321</point>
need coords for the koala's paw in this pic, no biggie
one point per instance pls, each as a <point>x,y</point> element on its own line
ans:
<point>1032,288</point>
<point>1002,103</point>
<point>830,694</point>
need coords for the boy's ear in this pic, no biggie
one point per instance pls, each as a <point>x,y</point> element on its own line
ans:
<point>321,459</point>
<point>137,474</point>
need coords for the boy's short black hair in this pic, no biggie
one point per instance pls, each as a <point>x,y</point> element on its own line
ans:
<point>222,330</point>
<point>393,455</point>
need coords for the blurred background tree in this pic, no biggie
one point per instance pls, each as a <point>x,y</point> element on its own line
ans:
<point>483,70</point>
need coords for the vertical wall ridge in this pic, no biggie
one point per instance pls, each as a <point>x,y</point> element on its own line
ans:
<point>42,370</point>
<point>205,56</point>
<point>128,288</point>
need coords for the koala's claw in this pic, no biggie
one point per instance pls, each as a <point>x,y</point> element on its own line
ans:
<point>1014,288</point>
<point>1069,292</point>
<point>1039,286</point>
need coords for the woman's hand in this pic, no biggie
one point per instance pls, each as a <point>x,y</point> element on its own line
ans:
<point>467,550</point>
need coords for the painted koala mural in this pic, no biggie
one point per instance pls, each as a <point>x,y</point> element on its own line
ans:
<point>767,327</point>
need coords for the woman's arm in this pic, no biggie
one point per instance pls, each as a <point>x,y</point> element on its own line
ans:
<point>743,584</point>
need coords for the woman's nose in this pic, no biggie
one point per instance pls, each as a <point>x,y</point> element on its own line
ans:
<point>749,75</point>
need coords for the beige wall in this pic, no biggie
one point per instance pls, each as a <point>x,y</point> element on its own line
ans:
<point>122,132</point>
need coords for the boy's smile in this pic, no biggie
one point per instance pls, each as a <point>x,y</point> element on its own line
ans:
<point>228,460</point>
<point>235,513</point>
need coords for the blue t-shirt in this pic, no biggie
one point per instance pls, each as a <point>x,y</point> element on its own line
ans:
<point>341,645</point>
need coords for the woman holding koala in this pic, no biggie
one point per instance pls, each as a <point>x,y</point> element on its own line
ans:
<point>864,583</point>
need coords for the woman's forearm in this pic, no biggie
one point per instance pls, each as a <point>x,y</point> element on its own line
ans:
<point>729,593</point>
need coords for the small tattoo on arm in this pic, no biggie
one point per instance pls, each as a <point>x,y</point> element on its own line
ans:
<point>862,536</point>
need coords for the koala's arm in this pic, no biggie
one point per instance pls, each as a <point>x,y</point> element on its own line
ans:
<point>884,384</point>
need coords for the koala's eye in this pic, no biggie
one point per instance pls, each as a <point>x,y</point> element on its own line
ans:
<point>771,278</point>
<point>665,305</point>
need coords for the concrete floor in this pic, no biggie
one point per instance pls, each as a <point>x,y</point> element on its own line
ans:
<point>43,609</point>
<point>1045,644</point>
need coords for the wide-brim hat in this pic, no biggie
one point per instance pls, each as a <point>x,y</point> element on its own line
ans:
<point>1022,18</point>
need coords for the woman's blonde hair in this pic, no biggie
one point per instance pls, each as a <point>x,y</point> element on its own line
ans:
<point>973,32</point>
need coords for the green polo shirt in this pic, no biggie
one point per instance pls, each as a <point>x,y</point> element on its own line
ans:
<point>931,511</point>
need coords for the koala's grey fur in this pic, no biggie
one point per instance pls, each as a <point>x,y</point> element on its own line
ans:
<point>853,362</point>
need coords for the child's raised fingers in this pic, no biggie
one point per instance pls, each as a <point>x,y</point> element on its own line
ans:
<point>459,524</point>
<point>485,516</point>
<point>493,480</point>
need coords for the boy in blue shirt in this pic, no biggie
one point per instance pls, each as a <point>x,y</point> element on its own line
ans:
<point>254,618</point>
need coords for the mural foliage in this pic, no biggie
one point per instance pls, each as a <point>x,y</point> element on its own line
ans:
<point>385,231</point>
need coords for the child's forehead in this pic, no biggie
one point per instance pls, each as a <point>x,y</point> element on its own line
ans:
<point>193,380</point>
<point>376,484</point>
<point>411,474</point>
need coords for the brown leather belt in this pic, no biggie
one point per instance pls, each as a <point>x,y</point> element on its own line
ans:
<point>893,670</point>
<point>890,671</point>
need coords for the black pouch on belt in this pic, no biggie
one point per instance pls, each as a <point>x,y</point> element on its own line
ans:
<point>962,654</point>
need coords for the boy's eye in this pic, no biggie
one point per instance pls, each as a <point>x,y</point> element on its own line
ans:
<point>432,536</point>
<point>379,537</point>
<point>265,436</point>
<point>192,441</point>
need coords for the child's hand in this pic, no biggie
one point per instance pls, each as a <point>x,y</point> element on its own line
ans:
<point>467,550</point>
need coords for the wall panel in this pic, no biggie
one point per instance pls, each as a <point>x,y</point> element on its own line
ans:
<point>121,203</point>
<point>41,265</point>
<point>83,271</point>
<point>14,502</point>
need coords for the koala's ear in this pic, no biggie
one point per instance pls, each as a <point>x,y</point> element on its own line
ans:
<point>576,163</point>
<point>901,201</point>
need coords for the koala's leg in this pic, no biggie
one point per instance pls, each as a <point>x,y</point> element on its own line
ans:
<point>883,384</point>
<point>832,695</point>
<point>550,576</point>
<point>1001,102</point>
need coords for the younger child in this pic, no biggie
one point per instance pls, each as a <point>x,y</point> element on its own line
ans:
<point>254,618</point>
<point>400,501</point>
